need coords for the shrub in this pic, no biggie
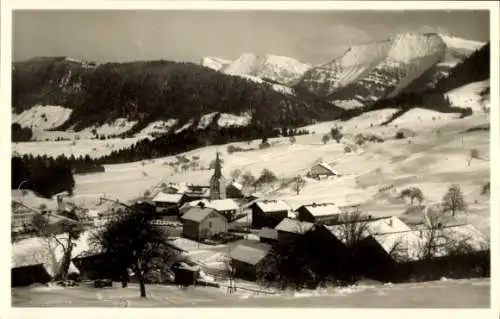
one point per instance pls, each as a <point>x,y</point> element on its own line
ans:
<point>325,139</point>
<point>400,135</point>
<point>347,149</point>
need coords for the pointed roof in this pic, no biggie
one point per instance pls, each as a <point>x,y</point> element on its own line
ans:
<point>218,167</point>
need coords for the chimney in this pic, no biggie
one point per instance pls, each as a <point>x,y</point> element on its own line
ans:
<point>313,204</point>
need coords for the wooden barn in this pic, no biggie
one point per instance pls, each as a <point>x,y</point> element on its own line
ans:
<point>327,213</point>
<point>247,260</point>
<point>200,223</point>
<point>269,213</point>
<point>290,229</point>
<point>322,170</point>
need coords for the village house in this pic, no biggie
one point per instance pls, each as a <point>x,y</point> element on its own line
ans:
<point>290,229</point>
<point>168,204</point>
<point>197,192</point>
<point>227,207</point>
<point>322,170</point>
<point>248,260</point>
<point>200,223</point>
<point>172,188</point>
<point>269,213</point>
<point>326,213</point>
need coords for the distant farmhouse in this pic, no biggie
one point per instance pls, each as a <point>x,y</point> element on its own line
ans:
<point>248,260</point>
<point>322,170</point>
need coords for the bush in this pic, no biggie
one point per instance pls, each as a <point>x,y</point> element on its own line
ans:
<point>400,135</point>
<point>347,149</point>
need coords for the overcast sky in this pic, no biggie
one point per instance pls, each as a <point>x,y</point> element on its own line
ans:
<point>313,37</point>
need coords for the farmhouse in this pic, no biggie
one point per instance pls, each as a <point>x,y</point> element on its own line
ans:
<point>168,204</point>
<point>324,212</point>
<point>227,207</point>
<point>290,229</point>
<point>321,170</point>
<point>248,260</point>
<point>451,251</point>
<point>172,188</point>
<point>196,192</point>
<point>200,223</point>
<point>269,213</point>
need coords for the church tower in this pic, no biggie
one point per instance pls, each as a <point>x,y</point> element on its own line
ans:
<point>217,182</point>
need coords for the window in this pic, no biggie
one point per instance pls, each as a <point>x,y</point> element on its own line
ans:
<point>209,224</point>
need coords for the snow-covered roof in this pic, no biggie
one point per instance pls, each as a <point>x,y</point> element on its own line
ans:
<point>167,198</point>
<point>322,209</point>
<point>384,225</point>
<point>251,255</point>
<point>237,185</point>
<point>273,206</point>
<point>218,204</point>
<point>37,250</point>
<point>198,214</point>
<point>268,233</point>
<point>458,237</point>
<point>294,226</point>
<point>328,168</point>
<point>401,246</point>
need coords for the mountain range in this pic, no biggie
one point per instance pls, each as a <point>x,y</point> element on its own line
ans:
<point>273,91</point>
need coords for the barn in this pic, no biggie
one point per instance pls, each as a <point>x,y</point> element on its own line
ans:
<point>200,223</point>
<point>247,259</point>
<point>290,229</point>
<point>322,170</point>
<point>269,213</point>
<point>327,213</point>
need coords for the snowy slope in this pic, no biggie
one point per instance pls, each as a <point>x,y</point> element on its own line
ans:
<point>277,87</point>
<point>42,117</point>
<point>368,72</point>
<point>470,96</point>
<point>214,63</point>
<point>281,69</point>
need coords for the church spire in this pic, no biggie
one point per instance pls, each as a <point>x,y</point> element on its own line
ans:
<point>218,167</point>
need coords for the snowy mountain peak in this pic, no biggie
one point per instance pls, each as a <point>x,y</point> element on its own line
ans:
<point>214,63</point>
<point>281,69</point>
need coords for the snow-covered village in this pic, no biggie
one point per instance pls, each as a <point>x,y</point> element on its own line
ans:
<point>360,178</point>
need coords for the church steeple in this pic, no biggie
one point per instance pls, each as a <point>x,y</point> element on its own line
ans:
<point>218,167</point>
<point>217,182</point>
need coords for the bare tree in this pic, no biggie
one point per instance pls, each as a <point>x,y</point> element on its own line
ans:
<point>473,154</point>
<point>352,227</point>
<point>52,234</point>
<point>236,173</point>
<point>248,179</point>
<point>299,183</point>
<point>453,200</point>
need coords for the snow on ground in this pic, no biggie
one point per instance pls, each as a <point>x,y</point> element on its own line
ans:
<point>227,119</point>
<point>157,127</point>
<point>41,117</point>
<point>94,148</point>
<point>464,293</point>
<point>469,96</point>
<point>118,126</point>
<point>205,120</point>
<point>347,104</point>
<point>434,158</point>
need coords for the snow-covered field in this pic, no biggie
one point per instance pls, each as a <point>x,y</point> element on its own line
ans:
<point>470,293</point>
<point>470,96</point>
<point>42,117</point>
<point>434,158</point>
